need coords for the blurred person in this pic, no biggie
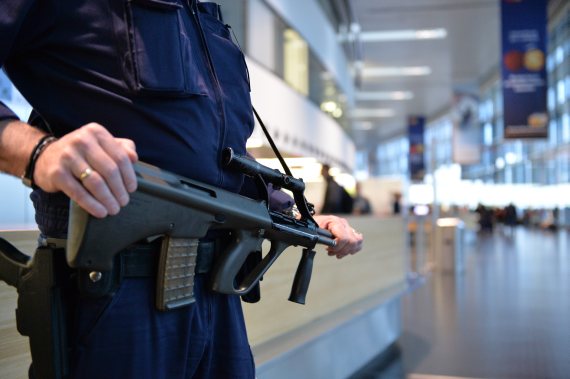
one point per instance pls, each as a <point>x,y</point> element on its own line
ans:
<point>336,199</point>
<point>361,204</point>
<point>396,203</point>
<point>486,218</point>
<point>510,217</point>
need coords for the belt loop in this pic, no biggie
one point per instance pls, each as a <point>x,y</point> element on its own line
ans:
<point>56,243</point>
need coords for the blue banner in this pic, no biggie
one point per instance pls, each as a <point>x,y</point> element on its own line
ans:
<point>416,157</point>
<point>524,68</point>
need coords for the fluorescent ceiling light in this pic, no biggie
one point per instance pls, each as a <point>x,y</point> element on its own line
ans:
<point>385,95</point>
<point>371,72</point>
<point>372,113</point>
<point>402,35</point>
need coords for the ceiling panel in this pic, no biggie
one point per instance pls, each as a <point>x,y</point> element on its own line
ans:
<point>464,58</point>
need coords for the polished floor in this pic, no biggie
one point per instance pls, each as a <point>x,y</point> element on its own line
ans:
<point>506,317</point>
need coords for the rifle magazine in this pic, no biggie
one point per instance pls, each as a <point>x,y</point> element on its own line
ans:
<point>175,277</point>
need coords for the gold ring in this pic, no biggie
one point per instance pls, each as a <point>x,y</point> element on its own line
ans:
<point>85,174</point>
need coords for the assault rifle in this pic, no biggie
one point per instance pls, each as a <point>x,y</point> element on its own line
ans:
<point>177,208</point>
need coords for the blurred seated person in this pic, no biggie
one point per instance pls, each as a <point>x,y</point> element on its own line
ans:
<point>486,218</point>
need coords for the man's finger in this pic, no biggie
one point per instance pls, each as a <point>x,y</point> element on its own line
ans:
<point>130,147</point>
<point>76,192</point>
<point>112,159</point>
<point>108,179</point>
<point>99,189</point>
<point>123,153</point>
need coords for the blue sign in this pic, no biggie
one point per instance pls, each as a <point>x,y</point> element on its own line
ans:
<point>523,68</point>
<point>416,126</point>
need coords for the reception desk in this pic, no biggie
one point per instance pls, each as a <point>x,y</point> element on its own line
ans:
<point>351,312</point>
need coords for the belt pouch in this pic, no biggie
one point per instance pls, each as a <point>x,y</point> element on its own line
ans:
<point>96,284</point>
<point>175,276</point>
<point>42,312</point>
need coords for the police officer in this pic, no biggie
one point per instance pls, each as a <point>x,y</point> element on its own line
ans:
<point>112,82</point>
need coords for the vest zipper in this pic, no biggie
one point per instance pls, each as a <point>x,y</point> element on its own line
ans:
<point>217,89</point>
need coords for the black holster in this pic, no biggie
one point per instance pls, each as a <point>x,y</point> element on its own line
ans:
<point>42,311</point>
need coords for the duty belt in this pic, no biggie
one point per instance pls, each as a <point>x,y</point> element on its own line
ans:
<point>173,261</point>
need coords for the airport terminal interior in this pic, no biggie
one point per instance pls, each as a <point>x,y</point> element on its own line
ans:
<point>447,122</point>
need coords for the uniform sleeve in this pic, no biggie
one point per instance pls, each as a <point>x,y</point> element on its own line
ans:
<point>6,113</point>
<point>13,13</point>
<point>279,200</point>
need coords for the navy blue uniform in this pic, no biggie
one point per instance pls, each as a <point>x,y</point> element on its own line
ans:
<point>166,74</point>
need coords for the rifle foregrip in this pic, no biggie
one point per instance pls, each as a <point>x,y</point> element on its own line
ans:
<point>302,277</point>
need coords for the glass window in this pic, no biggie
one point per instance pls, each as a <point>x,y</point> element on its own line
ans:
<point>296,61</point>
<point>551,99</point>
<point>561,92</point>
<point>264,35</point>
<point>565,129</point>
<point>552,137</point>
<point>549,63</point>
<point>281,49</point>
<point>488,134</point>
<point>559,55</point>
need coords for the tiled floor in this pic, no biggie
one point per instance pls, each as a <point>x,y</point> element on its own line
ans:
<point>506,317</point>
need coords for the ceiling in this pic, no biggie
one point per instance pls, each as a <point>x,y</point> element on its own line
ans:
<point>461,61</point>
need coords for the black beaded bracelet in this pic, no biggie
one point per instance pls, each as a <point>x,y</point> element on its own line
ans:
<point>28,177</point>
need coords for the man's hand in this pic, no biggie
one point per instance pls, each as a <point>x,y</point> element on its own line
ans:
<point>91,167</point>
<point>348,240</point>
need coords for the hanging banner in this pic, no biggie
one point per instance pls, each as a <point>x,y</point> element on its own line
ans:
<point>524,68</point>
<point>467,136</point>
<point>416,158</point>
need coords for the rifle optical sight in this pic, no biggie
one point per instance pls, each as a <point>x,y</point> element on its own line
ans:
<point>250,167</point>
